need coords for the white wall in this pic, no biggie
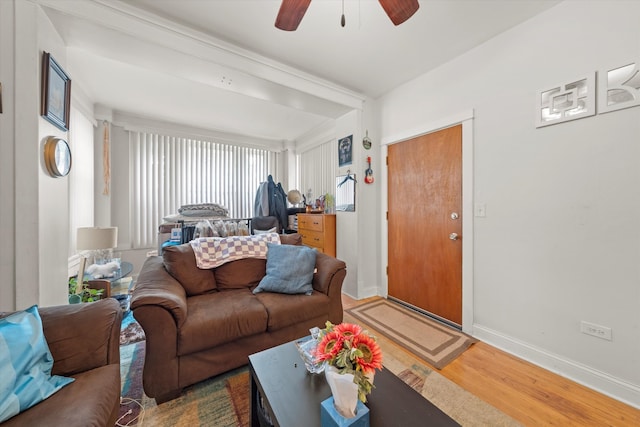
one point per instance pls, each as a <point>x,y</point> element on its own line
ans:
<point>81,177</point>
<point>53,193</point>
<point>347,248</point>
<point>40,201</point>
<point>26,156</point>
<point>368,201</point>
<point>560,242</point>
<point>7,156</point>
<point>35,212</point>
<point>357,232</point>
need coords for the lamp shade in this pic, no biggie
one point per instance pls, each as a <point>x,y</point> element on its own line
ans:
<point>92,238</point>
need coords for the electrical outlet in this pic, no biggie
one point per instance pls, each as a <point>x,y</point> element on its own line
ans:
<point>595,330</point>
<point>480,210</point>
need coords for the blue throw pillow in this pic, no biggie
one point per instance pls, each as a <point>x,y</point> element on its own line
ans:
<point>289,270</point>
<point>25,364</point>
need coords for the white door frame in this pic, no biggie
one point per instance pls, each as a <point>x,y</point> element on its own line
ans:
<point>466,120</point>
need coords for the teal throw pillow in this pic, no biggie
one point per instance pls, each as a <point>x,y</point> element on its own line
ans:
<point>25,364</point>
<point>289,270</point>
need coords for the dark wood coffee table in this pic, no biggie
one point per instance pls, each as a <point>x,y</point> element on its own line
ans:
<point>291,396</point>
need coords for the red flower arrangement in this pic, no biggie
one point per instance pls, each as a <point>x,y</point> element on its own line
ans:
<point>352,351</point>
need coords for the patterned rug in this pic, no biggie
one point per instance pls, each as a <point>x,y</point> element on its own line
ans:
<point>219,401</point>
<point>224,399</point>
<point>130,331</point>
<point>435,343</point>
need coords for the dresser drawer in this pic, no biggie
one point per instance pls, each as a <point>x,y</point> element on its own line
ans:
<point>310,222</point>
<point>318,231</point>
<point>312,238</point>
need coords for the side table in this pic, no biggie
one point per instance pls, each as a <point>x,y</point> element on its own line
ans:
<point>120,286</point>
<point>121,290</point>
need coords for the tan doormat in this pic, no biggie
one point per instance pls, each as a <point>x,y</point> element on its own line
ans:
<point>435,343</point>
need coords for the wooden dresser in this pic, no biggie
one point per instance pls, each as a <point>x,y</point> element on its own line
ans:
<point>318,231</point>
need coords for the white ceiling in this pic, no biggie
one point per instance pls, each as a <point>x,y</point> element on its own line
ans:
<point>222,65</point>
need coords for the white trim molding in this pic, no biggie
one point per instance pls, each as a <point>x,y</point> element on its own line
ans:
<point>242,64</point>
<point>464,118</point>
<point>591,378</point>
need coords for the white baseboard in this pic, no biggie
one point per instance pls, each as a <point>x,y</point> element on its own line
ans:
<point>362,294</point>
<point>367,292</point>
<point>599,381</point>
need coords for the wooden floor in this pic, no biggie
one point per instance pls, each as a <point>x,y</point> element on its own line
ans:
<point>528,393</point>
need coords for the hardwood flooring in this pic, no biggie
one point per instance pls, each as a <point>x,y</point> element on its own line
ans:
<point>528,393</point>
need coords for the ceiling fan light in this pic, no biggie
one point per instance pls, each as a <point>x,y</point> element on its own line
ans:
<point>291,13</point>
<point>399,10</point>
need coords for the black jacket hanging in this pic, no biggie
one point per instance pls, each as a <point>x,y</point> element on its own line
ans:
<point>277,202</point>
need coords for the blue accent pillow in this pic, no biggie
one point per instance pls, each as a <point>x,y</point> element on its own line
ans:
<point>25,364</point>
<point>289,270</point>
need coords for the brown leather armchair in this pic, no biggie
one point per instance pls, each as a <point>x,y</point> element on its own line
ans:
<point>84,340</point>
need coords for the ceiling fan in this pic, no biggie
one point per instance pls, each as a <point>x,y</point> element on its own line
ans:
<point>292,11</point>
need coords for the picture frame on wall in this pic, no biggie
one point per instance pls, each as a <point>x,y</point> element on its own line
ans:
<point>56,93</point>
<point>345,150</point>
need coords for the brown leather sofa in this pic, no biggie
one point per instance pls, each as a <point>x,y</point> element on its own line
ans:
<point>84,342</point>
<point>200,323</point>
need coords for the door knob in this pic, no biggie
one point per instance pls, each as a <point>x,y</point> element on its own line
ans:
<point>453,236</point>
<point>454,215</point>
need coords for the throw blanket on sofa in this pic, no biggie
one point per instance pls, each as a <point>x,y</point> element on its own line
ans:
<point>212,252</point>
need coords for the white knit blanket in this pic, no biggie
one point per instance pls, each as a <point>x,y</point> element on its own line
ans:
<point>212,252</point>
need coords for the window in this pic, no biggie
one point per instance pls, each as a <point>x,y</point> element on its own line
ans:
<point>168,172</point>
<point>318,170</point>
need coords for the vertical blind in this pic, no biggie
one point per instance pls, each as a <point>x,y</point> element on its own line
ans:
<point>169,171</point>
<point>318,170</point>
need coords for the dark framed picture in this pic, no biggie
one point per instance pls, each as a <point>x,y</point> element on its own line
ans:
<point>56,92</point>
<point>345,147</point>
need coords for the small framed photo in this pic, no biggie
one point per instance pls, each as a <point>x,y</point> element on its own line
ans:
<point>56,93</point>
<point>345,147</point>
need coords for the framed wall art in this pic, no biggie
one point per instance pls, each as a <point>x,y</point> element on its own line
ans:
<point>345,150</point>
<point>619,87</point>
<point>56,93</point>
<point>568,101</point>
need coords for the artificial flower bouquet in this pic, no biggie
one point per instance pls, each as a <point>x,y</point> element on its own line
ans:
<point>351,350</point>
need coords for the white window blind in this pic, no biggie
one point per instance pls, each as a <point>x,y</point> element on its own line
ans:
<point>168,172</point>
<point>318,170</point>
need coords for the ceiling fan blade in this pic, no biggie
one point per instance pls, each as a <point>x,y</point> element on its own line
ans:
<point>291,13</point>
<point>399,10</point>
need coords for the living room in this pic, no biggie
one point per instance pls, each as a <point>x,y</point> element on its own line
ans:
<point>546,255</point>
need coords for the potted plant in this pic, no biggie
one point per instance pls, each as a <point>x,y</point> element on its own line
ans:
<point>86,295</point>
<point>352,356</point>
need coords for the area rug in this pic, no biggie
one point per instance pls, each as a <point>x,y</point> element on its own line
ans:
<point>435,343</point>
<point>130,331</point>
<point>224,399</point>
<point>219,401</point>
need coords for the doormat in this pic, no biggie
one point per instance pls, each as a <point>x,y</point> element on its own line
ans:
<point>435,343</point>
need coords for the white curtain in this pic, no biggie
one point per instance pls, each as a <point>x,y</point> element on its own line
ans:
<point>318,170</point>
<point>168,172</point>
